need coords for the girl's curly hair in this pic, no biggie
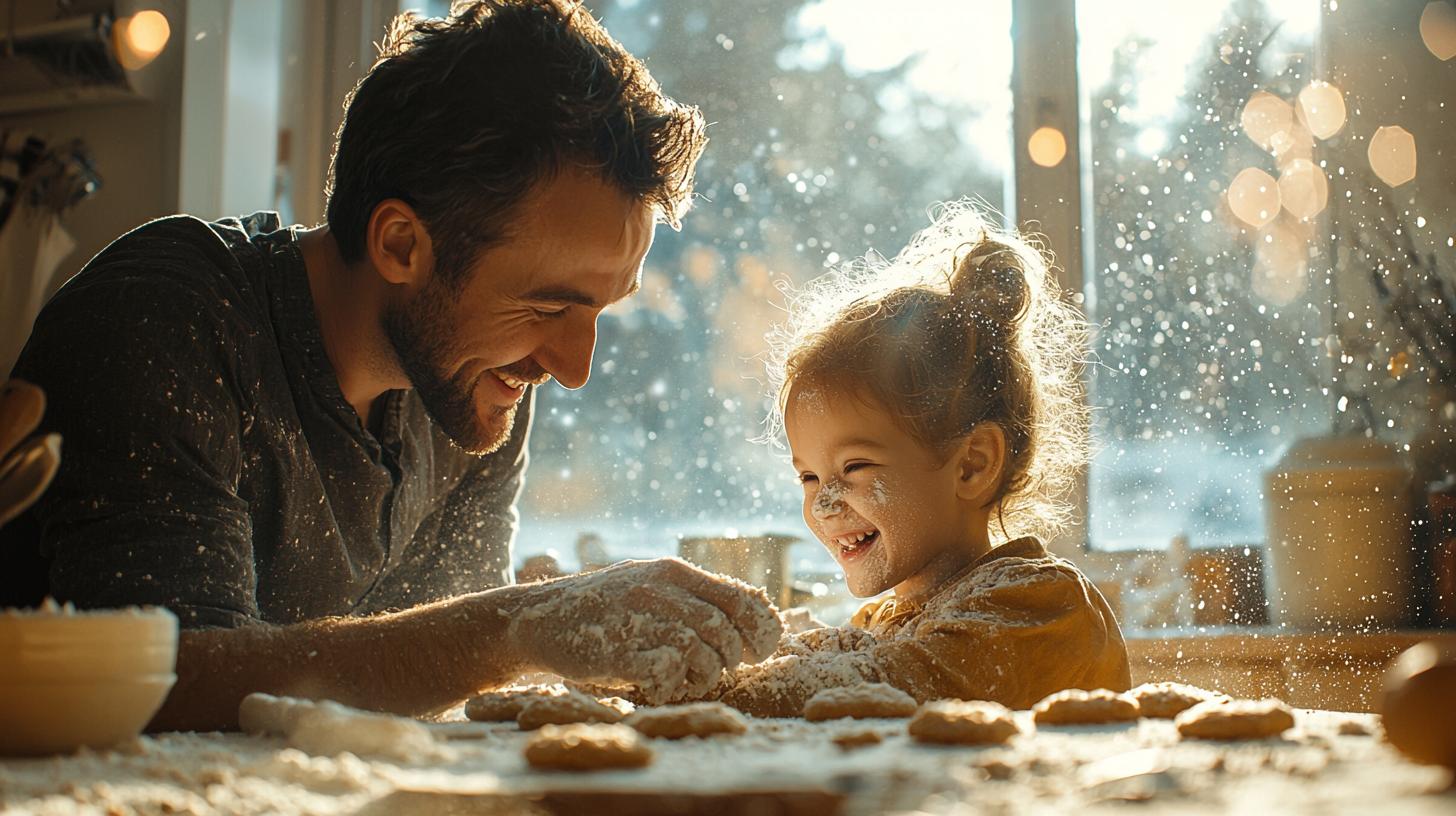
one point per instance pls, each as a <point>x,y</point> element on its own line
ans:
<point>966,325</point>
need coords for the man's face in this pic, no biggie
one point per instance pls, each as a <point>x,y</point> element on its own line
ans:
<point>526,310</point>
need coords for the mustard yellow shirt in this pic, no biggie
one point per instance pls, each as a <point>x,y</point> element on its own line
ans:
<point>1014,626</point>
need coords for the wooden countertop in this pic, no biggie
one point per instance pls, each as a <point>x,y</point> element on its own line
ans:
<point>1333,670</point>
<point>1272,642</point>
<point>1328,762</point>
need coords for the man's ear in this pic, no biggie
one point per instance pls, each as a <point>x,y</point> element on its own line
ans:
<point>398,245</point>
<point>982,460</point>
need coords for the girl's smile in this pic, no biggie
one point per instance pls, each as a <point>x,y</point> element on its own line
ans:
<point>883,506</point>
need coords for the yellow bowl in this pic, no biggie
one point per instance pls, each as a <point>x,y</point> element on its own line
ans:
<point>87,678</point>
<point>60,716</point>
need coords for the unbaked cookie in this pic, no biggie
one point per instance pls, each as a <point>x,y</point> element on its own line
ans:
<point>1165,701</point>
<point>618,704</point>
<point>863,701</point>
<point>690,720</point>
<point>1083,707</point>
<point>505,705</point>
<point>850,740</point>
<point>1236,719</point>
<point>572,707</point>
<point>587,747</point>
<point>962,722</point>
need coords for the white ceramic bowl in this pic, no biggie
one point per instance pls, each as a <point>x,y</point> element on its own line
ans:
<point>87,678</point>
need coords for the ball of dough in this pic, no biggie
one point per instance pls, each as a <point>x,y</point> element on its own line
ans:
<point>1167,700</point>
<point>573,707</point>
<point>962,722</point>
<point>505,705</point>
<point>1236,719</point>
<point>861,701</point>
<point>1083,707</point>
<point>1418,706</point>
<point>587,747</point>
<point>690,720</point>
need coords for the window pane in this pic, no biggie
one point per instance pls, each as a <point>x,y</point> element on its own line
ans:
<point>834,127</point>
<point>1209,296</point>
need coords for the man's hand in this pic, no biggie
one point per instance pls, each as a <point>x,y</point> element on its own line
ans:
<point>664,626</point>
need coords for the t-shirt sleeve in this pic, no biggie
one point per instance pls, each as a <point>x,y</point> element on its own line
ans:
<point>1013,634</point>
<point>142,375</point>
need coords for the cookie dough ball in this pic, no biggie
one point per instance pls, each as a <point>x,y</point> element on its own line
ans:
<point>1418,706</point>
<point>862,701</point>
<point>1083,707</point>
<point>587,747</point>
<point>572,707</point>
<point>1236,719</point>
<point>962,722</point>
<point>690,720</point>
<point>1165,701</point>
<point>505,705</point>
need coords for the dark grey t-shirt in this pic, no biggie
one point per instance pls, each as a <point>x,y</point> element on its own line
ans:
<point>211,464</point>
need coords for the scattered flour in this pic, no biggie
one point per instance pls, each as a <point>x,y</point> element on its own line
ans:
<point>1312,769</point>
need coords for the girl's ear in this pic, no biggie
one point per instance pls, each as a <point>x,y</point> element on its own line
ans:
<point>982,460</point>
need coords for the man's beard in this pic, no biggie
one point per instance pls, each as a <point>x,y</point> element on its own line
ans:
<point>421,332</point>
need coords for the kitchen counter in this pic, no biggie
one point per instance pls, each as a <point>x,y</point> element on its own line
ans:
<point>1329,763</point>
<point>1331,670</point>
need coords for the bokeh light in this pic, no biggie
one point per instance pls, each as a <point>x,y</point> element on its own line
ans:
<point>1438,28</point>
<point>1047,146</point>
<point>1303,189</point>
<point>1399,364</point>
<point>1322,109</point>
<point>1264,117</point>
<point>1392,155</point>
<point>140,38</point>
<point>1281,265</point>
<point>1291,144</point>
<point>1254,197</point>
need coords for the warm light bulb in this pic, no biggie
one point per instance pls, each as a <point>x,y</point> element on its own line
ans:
<point>1392,155</point>
<point>140,38</point>
<point>1322,109</point>
<point>1254,197</point>
<point>1438,28</point>
<point>1047,146</point>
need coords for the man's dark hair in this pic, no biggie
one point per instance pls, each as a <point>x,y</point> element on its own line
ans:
<point>461,117</point>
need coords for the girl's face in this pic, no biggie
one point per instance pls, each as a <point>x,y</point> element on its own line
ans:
<point>884,506</point>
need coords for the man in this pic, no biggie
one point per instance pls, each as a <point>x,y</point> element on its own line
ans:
<point>282,433</point>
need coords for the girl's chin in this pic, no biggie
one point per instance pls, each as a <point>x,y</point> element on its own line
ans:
<point>864,588</point>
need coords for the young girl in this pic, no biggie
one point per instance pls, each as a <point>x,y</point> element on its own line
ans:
<point>932,407</point>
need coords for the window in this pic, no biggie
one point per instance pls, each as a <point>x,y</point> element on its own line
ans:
<point>833,127</point>
<point>1210,303</point>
